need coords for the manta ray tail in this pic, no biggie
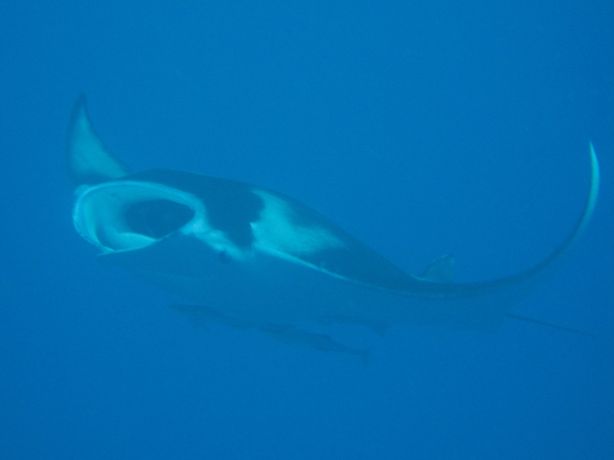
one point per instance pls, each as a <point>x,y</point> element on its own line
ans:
<point>89,161</point>
<point>576,232</point>
<point>583,220</point>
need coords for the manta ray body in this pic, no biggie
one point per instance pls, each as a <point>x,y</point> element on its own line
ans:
<point>252,257</point>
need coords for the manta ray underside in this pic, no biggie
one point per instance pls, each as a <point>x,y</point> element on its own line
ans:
<point>254,258</point>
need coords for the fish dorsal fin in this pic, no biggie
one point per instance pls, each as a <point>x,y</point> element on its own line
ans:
<point>440,270</point>
<point>89,161</point>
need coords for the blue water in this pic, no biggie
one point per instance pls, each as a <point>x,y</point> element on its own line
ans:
<point>421,127</point>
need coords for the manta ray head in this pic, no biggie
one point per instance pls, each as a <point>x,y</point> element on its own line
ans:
<point>127,215</point>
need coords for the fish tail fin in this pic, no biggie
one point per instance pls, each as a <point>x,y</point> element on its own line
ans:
<point>539,322</point>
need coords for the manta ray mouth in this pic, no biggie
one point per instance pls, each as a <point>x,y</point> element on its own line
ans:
<point>128,215</point>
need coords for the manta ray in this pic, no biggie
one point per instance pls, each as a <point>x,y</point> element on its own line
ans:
<point>256,258</point>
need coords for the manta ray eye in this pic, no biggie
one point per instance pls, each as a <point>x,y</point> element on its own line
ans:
<point>157,218</point>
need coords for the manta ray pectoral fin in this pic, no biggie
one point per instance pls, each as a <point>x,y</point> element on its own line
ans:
<point>89,161</point>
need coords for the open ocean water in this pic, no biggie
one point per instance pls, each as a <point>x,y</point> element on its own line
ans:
<point>423,128</point>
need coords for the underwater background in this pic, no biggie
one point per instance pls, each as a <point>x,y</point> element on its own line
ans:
<point>422,127</point>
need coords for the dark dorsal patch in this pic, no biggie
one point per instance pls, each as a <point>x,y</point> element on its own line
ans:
<point>157,218</point>
<point>231,206</point>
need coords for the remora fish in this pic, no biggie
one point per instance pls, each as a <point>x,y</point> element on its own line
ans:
<point>261,259</point>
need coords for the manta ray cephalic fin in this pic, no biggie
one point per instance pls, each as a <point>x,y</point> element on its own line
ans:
<point>89,161</point>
